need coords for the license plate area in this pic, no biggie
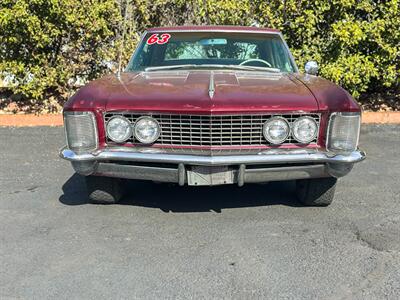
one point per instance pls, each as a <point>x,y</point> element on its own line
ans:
<point>202,175</point>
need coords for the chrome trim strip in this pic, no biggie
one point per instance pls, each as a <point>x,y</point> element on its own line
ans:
<point>211,86</point>
<point>276,157</point>
<point>205,29</point>
<point>217,114</point>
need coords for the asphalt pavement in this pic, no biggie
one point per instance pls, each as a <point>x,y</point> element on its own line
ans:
<point>169,242</point>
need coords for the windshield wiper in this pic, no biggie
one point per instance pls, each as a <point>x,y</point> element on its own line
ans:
<point>246,68</point>
<point>208,66</point>
<point>149,69</point>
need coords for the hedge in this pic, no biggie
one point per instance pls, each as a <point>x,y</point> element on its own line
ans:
<point>48,46</point>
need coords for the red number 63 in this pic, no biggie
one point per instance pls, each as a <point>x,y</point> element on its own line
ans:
<point>155,38</point>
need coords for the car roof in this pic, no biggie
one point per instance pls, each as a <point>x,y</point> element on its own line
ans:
<point>213,28</point>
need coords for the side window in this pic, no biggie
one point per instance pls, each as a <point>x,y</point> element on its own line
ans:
<point>142,59</point>
<point>281,56</point>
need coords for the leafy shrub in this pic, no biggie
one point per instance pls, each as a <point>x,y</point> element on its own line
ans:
<point>46,46</point>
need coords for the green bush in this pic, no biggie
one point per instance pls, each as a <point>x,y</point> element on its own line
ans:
<point>47,45</point>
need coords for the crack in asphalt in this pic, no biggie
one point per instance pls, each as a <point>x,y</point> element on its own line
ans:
<point>366,242</point>
<point>381,236</point>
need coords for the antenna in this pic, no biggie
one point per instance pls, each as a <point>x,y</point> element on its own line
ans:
<point>121,50</point>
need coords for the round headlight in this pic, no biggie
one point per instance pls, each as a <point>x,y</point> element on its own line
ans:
<point>304,129</point>
<point>276,130</point>
<point>119,129</point>
<point>146,130</point>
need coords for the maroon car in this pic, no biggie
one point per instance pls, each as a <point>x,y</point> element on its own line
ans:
<point>211,106</point>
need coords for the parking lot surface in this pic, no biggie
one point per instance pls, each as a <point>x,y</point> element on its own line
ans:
<point>169,242</point>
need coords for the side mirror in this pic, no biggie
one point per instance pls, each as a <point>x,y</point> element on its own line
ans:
<point>311,67</point>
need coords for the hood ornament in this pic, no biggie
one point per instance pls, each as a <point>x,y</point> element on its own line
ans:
<point>211,87</point>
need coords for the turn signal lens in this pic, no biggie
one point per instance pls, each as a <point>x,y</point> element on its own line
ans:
<point>343,132</point>
<point>80,131</point>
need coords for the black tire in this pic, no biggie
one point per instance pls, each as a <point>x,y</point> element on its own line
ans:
<point>104,190</point>
<point>317,191</point>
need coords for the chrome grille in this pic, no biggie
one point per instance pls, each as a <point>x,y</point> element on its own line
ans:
<point>212,130</point>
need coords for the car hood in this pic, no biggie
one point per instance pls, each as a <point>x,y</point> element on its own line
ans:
<point>200,91</point>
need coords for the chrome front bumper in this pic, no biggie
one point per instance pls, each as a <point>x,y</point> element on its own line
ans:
<point>270,165</point>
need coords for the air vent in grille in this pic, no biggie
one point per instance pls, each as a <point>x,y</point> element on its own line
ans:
<point>207,130</point>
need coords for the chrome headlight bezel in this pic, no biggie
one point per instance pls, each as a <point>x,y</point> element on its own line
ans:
<point>267,136</point>
<point>80,133</point>
<point>354,117</point>
<point>294,132</point>
<point>154,138</point>
<point>128,133</point>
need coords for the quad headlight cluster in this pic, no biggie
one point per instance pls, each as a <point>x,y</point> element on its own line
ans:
<point>146,130</point>
<point>277,129</point>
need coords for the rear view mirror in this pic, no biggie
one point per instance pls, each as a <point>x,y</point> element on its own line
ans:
<point>212,42</point>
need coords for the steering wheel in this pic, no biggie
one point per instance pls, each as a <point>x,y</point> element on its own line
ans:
<point>256,60</point>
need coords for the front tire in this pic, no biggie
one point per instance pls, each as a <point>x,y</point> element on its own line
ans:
<point>104,190</point>
<point>317,191</point>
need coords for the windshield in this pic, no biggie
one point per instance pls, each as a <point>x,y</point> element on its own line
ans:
<point>247,51</point>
